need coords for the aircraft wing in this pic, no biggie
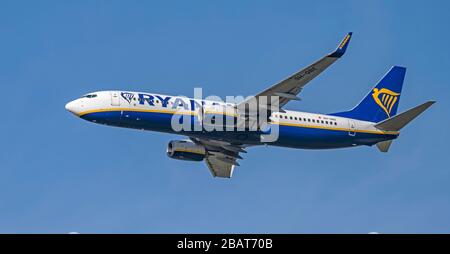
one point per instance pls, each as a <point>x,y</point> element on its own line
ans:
<point>221,156</point>
<point>289,88</point>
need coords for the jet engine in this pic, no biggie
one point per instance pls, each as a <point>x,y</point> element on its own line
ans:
<point>185,150</point>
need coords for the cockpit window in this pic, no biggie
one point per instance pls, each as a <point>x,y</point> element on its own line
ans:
<point>90,96</point>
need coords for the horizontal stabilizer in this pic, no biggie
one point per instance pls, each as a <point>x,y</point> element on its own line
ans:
<point>384,146</point>
<point>399,121</point>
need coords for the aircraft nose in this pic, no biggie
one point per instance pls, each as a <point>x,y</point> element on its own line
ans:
<point>71,107</point>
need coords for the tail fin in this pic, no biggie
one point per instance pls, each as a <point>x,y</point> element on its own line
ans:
<point>382,101</point>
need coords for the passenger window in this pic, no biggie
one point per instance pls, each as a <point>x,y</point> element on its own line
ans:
<point>321,121</point>
<point>314,121</point>
<point>290,117</point>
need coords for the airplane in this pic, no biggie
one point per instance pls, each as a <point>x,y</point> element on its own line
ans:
<point>373,121</point>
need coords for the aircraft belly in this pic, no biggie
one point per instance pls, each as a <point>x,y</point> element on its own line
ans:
<point>316,138</point>
<point>312,138</point>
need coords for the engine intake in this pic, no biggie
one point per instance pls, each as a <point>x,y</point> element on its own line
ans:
<point>185,150</point>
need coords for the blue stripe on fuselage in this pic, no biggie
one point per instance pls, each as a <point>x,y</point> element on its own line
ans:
<point>289,136</point>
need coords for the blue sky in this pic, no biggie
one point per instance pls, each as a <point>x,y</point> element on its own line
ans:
<point>60,174</point>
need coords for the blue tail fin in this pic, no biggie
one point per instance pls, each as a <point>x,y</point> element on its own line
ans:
<point>382,101</point>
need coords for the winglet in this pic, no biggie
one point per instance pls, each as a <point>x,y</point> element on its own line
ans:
<point>342,46</point>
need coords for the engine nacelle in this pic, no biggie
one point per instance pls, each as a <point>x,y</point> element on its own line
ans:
<point>185,150</point>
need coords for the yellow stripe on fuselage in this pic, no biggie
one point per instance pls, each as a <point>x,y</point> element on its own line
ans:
<point>337,128</point>
<point>165,111</point>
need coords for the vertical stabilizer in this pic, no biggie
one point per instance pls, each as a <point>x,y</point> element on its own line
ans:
<point>382,100</point>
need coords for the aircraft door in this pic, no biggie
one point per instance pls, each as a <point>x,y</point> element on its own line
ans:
<point>115,98</point>
<point>352,128</point>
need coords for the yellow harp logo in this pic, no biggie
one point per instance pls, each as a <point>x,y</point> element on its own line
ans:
<point>385,98</point>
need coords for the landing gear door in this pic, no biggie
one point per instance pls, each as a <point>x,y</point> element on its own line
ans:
<point>352,128</point>
<point>115,98</point>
